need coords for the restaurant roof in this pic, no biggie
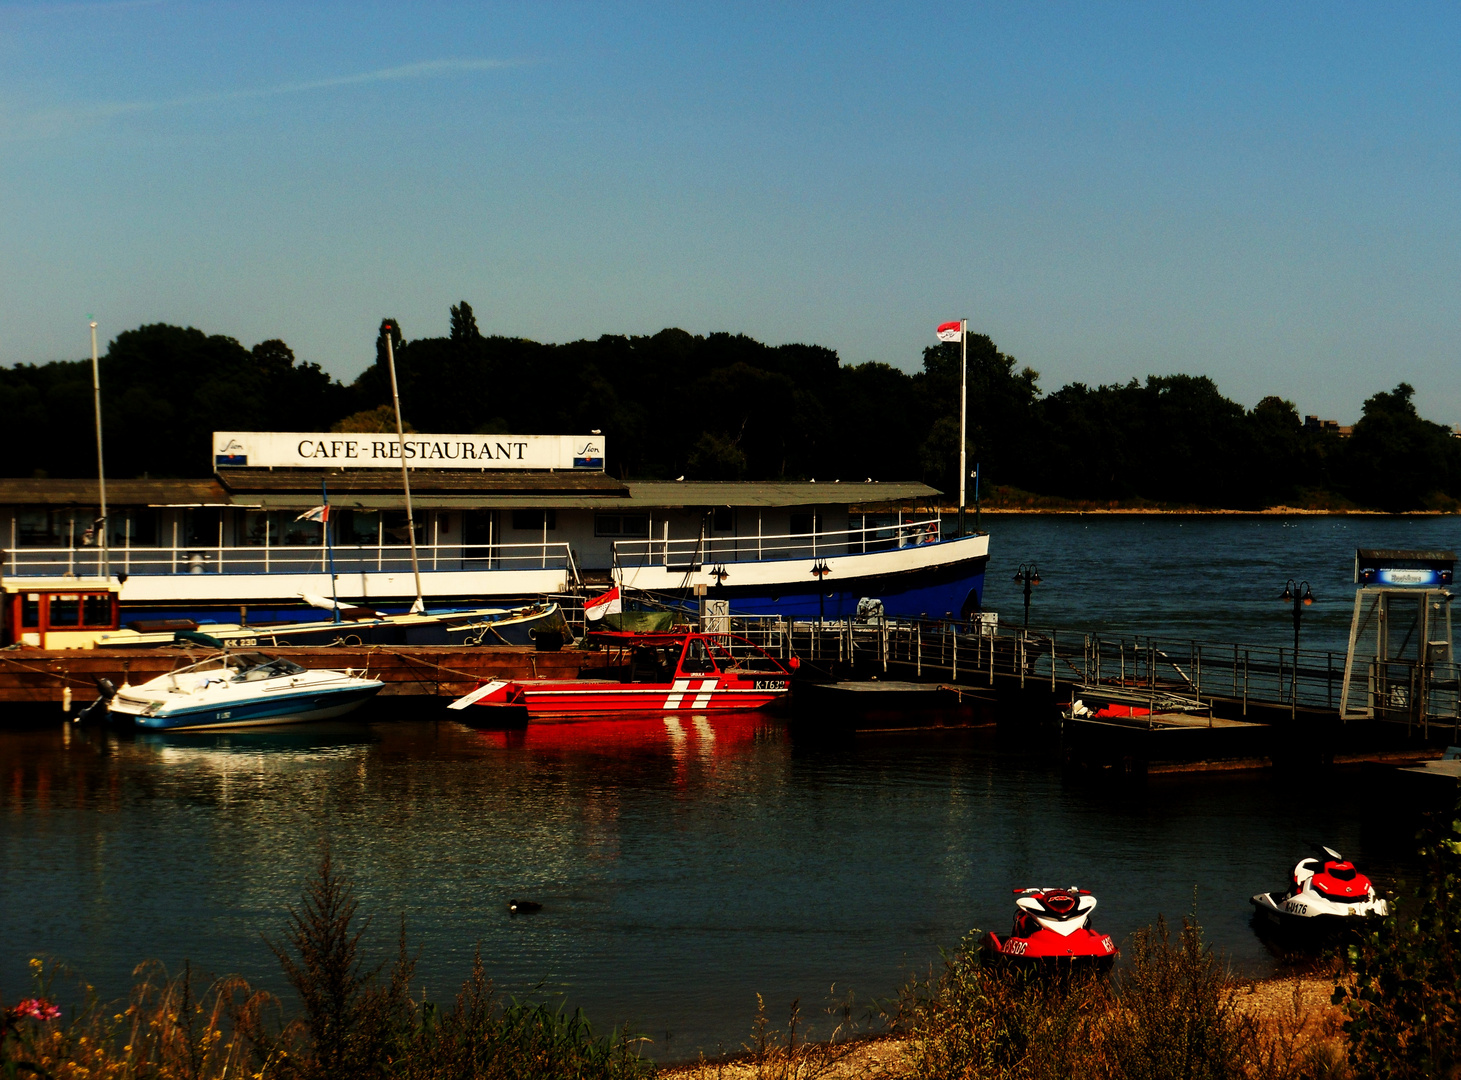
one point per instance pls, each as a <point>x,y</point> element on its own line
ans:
<point>76,492</point>
<point>456,489</point>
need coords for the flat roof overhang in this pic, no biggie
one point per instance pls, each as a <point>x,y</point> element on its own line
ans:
<point>283,489</point>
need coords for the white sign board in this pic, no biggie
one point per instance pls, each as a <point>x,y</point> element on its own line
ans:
<point>334,450</point>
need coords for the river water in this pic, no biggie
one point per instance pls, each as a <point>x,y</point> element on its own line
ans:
<point>684,865</point>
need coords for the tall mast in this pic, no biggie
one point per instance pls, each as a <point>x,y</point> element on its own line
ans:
<point>101,472</point>
<point>963,410</point>
<point>420,604</point>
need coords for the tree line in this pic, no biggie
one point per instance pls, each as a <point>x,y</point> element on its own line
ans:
<point>725,407</point>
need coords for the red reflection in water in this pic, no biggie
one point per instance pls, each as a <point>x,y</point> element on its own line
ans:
<point>717,735</point>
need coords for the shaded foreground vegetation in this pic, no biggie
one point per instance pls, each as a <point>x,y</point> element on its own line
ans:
<point>1173,1010</point>
<point>727,407</point>
<point>352,1021</point>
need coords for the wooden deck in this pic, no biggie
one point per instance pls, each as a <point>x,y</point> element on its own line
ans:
<point>37,675</point>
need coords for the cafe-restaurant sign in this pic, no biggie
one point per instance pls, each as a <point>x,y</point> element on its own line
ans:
<point>336,450</point>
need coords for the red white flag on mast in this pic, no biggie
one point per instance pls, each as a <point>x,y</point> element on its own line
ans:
<point>603,604</point>
<point>950,331</point>
<point>319,513</point>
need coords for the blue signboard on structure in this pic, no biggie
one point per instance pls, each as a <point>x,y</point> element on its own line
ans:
<point>1384,566</point>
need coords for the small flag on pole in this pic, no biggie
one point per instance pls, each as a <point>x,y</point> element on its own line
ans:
<point>603,604</point>
<point>950,331</point>
<point>319,513</point>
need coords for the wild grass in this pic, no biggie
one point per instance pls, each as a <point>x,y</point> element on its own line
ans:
<point>1171,1012</point>
<point>352,1022</point>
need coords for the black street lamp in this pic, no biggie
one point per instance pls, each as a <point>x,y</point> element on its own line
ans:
<point>820,569</point>
<point>1299,593</point>
<point>1029,574</point>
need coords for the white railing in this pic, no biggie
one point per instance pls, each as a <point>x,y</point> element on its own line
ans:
<point>710,550</point>
<point>303,559</point>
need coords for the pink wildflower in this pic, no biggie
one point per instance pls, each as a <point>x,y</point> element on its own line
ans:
<point>37,1009</point>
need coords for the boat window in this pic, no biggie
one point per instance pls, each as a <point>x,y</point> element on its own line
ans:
<point>30,610</point>
<point>393,522</point>
<point>534,520</point>
<point>357,527</point>
<point>65,610</point>
<point>697,658</point>
<point>202,527</point>
<point>96,609</point>
<point>144,528</point>
<point>265,667</point>
<point>615,525</point>
<point>803,524</point>
<point>40,528</point>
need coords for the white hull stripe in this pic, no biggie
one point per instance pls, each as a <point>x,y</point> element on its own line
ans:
<point>682,686</point>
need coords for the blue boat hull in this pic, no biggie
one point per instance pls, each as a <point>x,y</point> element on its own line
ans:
<point>282,709</point>
<point>952,591</point>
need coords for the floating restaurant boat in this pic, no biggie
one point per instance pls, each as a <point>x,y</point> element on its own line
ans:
<point>499,521</point>
<point>1052,929</point>
<point>1326,893</point>
<point>663,673</point>
<point>240,689</point>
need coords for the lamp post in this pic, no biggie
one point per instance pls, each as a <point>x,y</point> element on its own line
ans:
<point>1299,593</point>
<point>820,569</point>
<point>1029,575</point>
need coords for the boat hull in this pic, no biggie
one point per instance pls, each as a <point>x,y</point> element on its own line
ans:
<point>683,695</point>
<point>1273,911</point>
<point>932,580</point>
<point>1085,949</point>
<point>287,709</point>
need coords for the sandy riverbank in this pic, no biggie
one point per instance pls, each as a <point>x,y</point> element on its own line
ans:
<point>1298,1006</point>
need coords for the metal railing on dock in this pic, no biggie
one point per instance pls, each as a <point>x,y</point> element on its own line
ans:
<point>1248,678</point>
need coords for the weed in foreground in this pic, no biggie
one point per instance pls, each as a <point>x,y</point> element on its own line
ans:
<point>354,1022</point>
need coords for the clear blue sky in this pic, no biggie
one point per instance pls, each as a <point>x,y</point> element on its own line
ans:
<point>1267,193</point>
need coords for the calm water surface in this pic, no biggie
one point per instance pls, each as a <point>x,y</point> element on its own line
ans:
<point>686,864</point>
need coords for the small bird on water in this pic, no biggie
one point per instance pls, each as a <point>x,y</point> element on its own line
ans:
<point>517,907</point>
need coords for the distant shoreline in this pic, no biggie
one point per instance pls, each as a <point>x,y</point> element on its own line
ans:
<point>1131,511</point>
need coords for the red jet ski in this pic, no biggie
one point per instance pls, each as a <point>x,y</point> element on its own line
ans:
<point>1051,929</point>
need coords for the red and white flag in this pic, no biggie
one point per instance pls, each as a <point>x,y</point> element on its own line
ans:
<point>604,604</point>
<point>319,513</point>
<point>950,331</point>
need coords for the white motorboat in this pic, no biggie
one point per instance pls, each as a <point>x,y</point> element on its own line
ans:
<point>240,689</point>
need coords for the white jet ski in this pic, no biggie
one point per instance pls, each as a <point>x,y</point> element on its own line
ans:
<point>1327,893</point>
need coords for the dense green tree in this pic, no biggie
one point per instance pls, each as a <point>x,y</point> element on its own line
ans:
<point>1001,421</point>
<point>1395,459</point>
<point>165,390</point>
<point>725,406</point>
<point>464,324</point>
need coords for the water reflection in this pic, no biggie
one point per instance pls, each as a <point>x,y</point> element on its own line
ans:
<point>684,863</point>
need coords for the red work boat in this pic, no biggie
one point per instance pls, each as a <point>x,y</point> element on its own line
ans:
<point>680,671</point>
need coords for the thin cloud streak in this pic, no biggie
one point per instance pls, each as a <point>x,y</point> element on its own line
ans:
<point>66,119</point>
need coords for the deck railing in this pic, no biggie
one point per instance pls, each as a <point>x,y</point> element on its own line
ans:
<point>294,559</point>
<point>694,552</point>
<point>1248,677</point>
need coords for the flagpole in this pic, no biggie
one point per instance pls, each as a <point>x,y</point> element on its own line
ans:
<point>101,472</point>
<point>330,548</point>
<point>963,415</point>
<point>419,606</point>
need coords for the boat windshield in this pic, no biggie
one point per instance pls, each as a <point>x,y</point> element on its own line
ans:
<point>254,666</point>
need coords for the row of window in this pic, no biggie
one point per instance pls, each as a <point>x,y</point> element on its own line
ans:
<point>66,610</point>
<point>200,527</point>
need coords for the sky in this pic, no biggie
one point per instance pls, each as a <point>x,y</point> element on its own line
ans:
<point>1266,194</point>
